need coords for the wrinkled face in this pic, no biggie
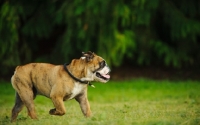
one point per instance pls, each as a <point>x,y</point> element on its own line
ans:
<point>101,74</point>
<point>97,67</point>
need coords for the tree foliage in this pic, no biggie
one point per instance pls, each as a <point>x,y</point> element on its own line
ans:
<point>141,31</point>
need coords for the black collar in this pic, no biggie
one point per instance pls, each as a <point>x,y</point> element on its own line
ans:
<point>84,82</point>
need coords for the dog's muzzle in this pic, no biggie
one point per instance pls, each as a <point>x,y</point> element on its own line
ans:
<point>103,74</point>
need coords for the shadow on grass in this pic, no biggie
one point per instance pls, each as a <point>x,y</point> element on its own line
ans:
<point>6,120</point>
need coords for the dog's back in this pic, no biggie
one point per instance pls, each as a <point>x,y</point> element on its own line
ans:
<point>38,75</point>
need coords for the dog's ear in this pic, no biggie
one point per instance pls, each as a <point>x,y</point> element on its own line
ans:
<point>88,56</point>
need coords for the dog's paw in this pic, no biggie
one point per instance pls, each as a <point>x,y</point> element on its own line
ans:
<point>52,111</point>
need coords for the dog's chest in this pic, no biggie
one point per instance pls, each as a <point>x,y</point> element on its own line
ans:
<point>78,88</point>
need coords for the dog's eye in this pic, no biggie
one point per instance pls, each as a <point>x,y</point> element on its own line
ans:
<point>102,64</point>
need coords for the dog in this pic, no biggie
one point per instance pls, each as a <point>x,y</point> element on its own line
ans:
<point>58,82</point>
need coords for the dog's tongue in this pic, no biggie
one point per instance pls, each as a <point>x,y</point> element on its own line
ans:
<point>106,76</point>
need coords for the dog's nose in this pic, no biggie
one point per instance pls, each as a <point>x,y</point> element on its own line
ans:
<point>109,70</point>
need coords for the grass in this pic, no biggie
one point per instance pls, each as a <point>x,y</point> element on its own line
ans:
<point>133,102</point>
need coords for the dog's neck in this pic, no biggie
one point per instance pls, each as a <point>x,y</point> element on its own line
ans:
<point>77,68</point>
<point>82,80</point>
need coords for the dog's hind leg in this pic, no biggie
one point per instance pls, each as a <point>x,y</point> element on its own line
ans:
<point>27,97</point>
<point>17,107</point>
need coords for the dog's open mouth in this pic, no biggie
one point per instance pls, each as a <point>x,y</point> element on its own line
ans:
<point>103,76</point>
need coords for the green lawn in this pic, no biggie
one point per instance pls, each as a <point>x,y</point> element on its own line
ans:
<point>134,102</point>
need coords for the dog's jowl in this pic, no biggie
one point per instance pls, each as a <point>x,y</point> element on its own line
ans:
<point>58,82</point>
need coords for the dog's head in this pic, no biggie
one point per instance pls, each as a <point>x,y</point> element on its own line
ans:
<point>97,69</point>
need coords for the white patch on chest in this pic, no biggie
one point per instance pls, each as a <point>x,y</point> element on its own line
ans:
<point>78,88</point>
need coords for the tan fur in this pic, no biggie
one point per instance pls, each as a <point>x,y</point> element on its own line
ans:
<point>53,82</point>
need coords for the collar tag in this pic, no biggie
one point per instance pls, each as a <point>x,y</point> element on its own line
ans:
<point>92,85</point>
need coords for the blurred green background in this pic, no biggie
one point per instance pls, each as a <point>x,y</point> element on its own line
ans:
<point>140,33</point>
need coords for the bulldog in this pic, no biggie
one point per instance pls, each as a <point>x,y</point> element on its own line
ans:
<point>58,82</point>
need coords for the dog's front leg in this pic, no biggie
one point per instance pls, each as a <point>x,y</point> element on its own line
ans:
<point>59,106</point>
<point>84,104</point>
